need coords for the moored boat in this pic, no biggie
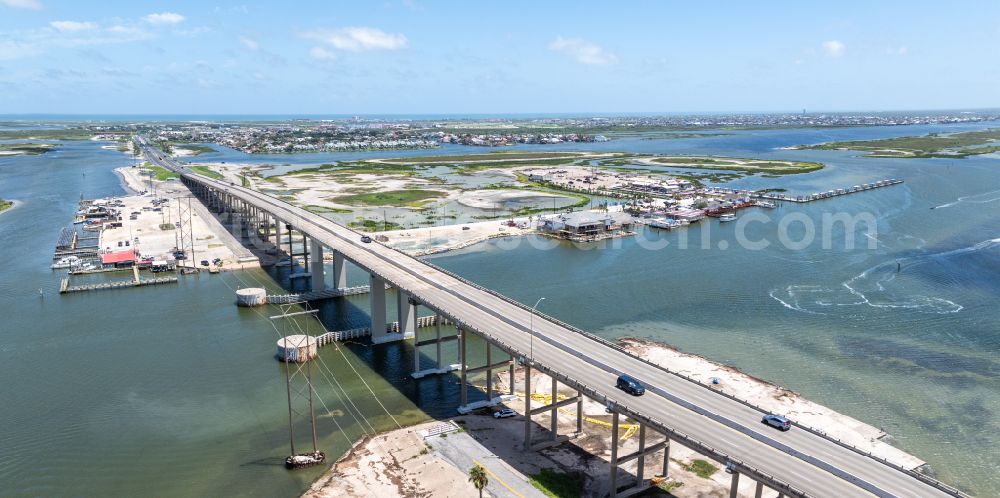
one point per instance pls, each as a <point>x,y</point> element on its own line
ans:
<point>727,217</point>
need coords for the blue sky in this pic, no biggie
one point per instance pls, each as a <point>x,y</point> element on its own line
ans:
<point>422,56</point>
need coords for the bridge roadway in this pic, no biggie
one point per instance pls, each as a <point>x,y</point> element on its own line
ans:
<point>811,464</point>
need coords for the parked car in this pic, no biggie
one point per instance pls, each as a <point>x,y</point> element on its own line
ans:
<point>776,421</point>
<point>504,413</point>
<point>630,385</point>
<point>366,239</point>
<point>204,262</point>
<point>466,228</point>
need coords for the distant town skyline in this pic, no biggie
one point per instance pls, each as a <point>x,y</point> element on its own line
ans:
<point>424,57</point>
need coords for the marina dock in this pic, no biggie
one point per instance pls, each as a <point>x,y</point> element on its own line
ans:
<point>136,281</point>
<point>777,196</point>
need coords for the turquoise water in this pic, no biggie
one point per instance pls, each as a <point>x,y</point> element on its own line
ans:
<point>173,388</point>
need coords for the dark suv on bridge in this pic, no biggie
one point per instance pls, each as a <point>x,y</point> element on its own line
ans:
<point>630,385</point>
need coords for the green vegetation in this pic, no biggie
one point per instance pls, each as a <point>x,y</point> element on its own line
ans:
<point>5,205</point>
<point>557,484</point>
<point>701,468</point>
<point>950,145</point>
<point>737,164</point>
<point>26,149</point>
<point>167,226</point>
<point>477,476</point>
<point>396,198</point>
<point>669,486</point>
<point>162,174</point>
<point>324,209</point>
<point>205,170</point>
<point>195,148</point>
<point>487,157</point>
<point>370,225</point>
<point>57,134</point>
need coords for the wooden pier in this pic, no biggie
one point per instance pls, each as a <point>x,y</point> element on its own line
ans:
<point>777,196</point>
<point>65,288</point>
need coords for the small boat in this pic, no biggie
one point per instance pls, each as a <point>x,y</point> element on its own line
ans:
<point>663,223</point>
<point>727,217</point>
<point>765,204</point>
<point>304,460</point>
<point>66,262</point>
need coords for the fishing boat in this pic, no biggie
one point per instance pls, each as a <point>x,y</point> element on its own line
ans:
<point>66,262</point>
<point>727,217</point>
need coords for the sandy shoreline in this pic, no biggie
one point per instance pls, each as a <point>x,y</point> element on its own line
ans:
<point>395,463</point>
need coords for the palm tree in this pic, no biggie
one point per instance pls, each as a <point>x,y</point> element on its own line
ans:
<point>477,476</point>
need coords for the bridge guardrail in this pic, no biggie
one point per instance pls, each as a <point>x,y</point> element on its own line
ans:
<point>918,475</point>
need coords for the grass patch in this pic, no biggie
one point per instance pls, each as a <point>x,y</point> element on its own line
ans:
<point>325,209</point>
<point>195,148</point>
<point>489,156</point>
<point>701,468</point>
<point>167,226</point>
<point>557,484</point>
<point>395,198</point>
<point>953,145</point>
<point>60,134</point>
<point>5,205</point>
<point>737,164</point>
<point>206,171</point>
<point>27,149</point>
<point>370,225</point>
<point>162,174</point>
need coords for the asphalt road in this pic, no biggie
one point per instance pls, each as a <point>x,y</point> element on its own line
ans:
<point>809,462</point>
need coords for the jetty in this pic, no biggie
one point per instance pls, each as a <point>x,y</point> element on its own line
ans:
<point>778,196</point>
<point>136,281</point>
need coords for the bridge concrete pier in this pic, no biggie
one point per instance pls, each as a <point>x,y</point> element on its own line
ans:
<point>317,270</point>
<point>440,366</point>
<point>641,484</point>
<point>376,302</point>
<point>491,396</point>
<point>339,270</point>
<point>406,311</point>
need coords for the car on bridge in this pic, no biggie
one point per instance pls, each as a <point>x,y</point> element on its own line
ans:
<point>504,413</point>
<point>366,239</point>
<point>776,421</point>
<point>630,385</point>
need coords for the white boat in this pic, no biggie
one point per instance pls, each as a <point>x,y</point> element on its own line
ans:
<point>663,223</point>
<point>765,204</point>
<point>66,262</point>
<point>727,217</point>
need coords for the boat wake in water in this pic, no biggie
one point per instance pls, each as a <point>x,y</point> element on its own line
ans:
<point>973,199</point>
<point>884,285</point>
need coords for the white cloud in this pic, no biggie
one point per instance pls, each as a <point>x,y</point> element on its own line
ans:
<point>22,4</point>
<point>900,50</point>
<point>249,43</point>
<point>834,48</point>
<point>320,53</point>
<point>358,39</point>
<point>582,51</point>
<point>15,50</point>
<point>164,18</point>
<point>69,26</point>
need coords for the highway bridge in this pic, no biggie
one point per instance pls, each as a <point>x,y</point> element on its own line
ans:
<point>799,462</point>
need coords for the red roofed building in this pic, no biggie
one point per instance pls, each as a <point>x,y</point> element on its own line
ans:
<point>120,259</point>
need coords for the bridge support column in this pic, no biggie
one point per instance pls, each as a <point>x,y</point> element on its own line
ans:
<point>464,395</point>
<point>758,490</point>
<point>406,310</point>
<point>440,366</point>
<point>527,407</point>
<point>316,270</point>
<point>666,459</point>
<point>489,372</point>
<point>734,484</point>
<point>376,302</point>
<point>641,462</point>
<point>339,270</point>
<point>613,476</point>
